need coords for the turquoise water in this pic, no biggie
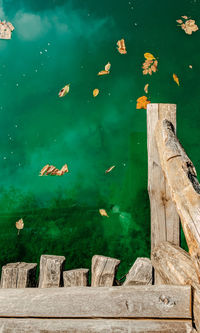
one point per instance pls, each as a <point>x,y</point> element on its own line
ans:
<point>59,42</point>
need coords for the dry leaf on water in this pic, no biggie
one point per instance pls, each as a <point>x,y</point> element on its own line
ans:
<point>142,102</point>
<point>103,212</point>
<point>121,46</point>
<point>190,66</point>
<point>53,171</point>
<point>106,71</point>
<point>64,91</point>
<point>19,225</point>
<point>189,26</point>
<point>149,56</point>
<point>146,88</point>
<point>150,64</point>
<point>176,79</point>
<point>95,92</point>
<point>110,169</point>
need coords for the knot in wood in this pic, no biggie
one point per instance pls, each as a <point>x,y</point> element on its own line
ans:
<point>166,301</point>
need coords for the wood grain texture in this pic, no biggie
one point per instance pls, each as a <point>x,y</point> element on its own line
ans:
<point>94,326</point>
<point>18,275</point>
<point>80,302</point>
<point>165,224</point>
<point>183,183</point>
<point>103,271</point>
<point>176,267</point>
<point>51,268</point>
<point>76,277</point>
<point>140,273</point>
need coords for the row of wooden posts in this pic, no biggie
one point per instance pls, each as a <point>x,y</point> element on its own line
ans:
<point>172,304</point>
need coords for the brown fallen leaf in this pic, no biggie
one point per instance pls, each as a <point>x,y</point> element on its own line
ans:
<point>142,102</point>
<point>95,92</point>
<point>150,64</point>
<point>19,225</point>
<point>110,169</point>
<point>64,91</point>
<point>53,171</point>
<point>146,88</point>
<point>176,79</point>
<point>121,46</point>
<point>189,26</point>
<point>190,66</point>
<point>106,71</point>
<point>103,212</point>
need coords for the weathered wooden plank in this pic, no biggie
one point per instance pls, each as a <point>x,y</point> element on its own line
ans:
<point>51,268</point>
<point>18,275</point>
<point>183,183</point>
<point>76,277</point>
<point>165,224</point>
<point>103,271</point>
<point>140,273</point>
<point>94,326</point>
<point>162,301</point>
<point>176,267</point>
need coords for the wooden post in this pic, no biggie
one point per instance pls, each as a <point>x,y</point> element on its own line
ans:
<point>76,277</point>
<point>165,225</point>
<point>51,268</point>
<point>103,271</point>
<point>18,275</point>
<point>183,183</point>
<point>140,273</point>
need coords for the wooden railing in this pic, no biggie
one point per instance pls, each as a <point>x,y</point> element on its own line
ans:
<point>63,301</point>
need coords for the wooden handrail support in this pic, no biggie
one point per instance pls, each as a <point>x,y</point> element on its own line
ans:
<point>165,225</point>
<point>184,186</point>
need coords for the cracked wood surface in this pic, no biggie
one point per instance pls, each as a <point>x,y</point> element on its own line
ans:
<point>165,225</point>
<point>183,184</point>
<point>162,301</point>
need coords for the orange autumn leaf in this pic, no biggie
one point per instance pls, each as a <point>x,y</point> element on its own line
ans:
<point>107,66</point>
<point>142,102</point>
<point>121,46</point>
<point>95,92</point>
<point>103,212</point>
<point>176,79</point>
<point>106,70</point>
<point>146,88</point>
<point>110,169</point>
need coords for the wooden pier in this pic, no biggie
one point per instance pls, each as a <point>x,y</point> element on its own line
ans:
<point>159,294</point>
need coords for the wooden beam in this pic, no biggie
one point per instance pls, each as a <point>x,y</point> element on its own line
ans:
<point>83,302</point>
<point>18,275</point>
<point>183,183</point>
<point>51,268</point>
<point>165,224</point>
<point>31,325</point>
<point>103,271</point>
<point>76,277</point>
<point>176,267</point>
<point>140,273</point>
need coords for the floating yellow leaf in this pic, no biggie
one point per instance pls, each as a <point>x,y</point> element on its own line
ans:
<point>149,56</point>
<point>179,21</point>
<point>19,225</point>
<point>106,71</point>
<point>107,66</point>
<point>176,79</point>
<point>142,102</point>
<point>64,91</point>
<point>53,171</point>
<point>146,88</point>
<point>103,212</point>
<point>121,46</point>
<point>110,169</point>
<point>184,17</point>
<point>95,92</point>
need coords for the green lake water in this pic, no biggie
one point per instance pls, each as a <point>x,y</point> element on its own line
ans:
<point>56,42</point>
